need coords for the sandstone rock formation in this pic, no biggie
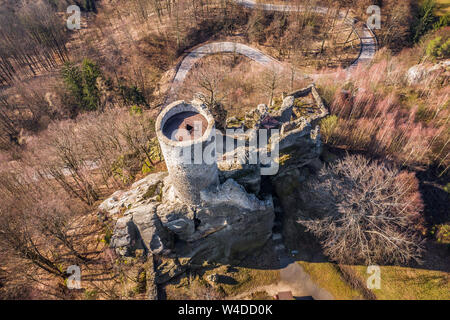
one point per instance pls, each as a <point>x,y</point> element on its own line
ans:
<point>231,217</point>
<point>228,221</point>
<point>422,72</point>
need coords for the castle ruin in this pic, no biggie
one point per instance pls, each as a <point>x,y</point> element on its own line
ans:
<point>188,175</point>
<point>215,209</point>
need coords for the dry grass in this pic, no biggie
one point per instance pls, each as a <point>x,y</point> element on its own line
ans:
<point>378,112</point>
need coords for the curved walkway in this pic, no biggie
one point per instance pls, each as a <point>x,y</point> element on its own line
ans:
<point>368,40</point>
<point>221,47</point>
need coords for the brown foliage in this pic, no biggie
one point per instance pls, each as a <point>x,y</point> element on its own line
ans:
<point>35,224</point>
<point>94,152</point>
<point>377,111</point>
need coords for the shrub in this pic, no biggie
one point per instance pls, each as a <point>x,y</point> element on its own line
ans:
<point>442,233</point>
<point>82,83</point>
<point>443,21</point>
<point>438,48</point>
<point>383,116</point>
<point>73,80</point>
<point>425,19</point>
<point>91,94</point>
<point>132,95</point>
<point>135,110</point>
<point>367,212</point>
<point>328,127</point>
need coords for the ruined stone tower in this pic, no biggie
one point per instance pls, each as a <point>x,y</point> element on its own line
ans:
<point>186,133</point>
<point>186,212</point>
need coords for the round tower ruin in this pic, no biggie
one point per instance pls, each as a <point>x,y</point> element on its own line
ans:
<point>186,133</point>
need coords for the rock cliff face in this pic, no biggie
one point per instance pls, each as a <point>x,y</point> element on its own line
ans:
<point>227,223</point>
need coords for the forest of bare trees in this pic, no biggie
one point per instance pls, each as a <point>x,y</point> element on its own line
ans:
<point>32,40</point>
<point>77,111</point>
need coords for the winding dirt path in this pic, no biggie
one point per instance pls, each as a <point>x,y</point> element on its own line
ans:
<point>369,45</point>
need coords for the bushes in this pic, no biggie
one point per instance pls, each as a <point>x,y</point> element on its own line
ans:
<point>91,96</point>
<point>88,90</point>
<point>328,126</point>
<point>383,116</point>
<point>444,21</point>
<point>367,213</point>
<point>132,95</point>
<point>439,48</point>
<point>82,84</point>
<point>425,19</point>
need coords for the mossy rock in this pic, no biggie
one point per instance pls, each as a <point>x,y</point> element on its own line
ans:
<point>277,103</point>
<point>234,123</point>
<point>154,191</point>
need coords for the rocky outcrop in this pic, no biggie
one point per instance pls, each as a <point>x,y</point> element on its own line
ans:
<point>284,114</point>
<point>226,224</point>
<point>422,72</point>
<point>120,201</point>
<point>140,228</point>
<point>247,175</point>
<point>169,269</point>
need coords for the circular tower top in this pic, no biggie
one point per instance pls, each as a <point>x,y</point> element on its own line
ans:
<point>186,122</point>
<point>186,133</point>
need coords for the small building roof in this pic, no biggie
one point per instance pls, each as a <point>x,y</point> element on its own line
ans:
<point>285,295</point>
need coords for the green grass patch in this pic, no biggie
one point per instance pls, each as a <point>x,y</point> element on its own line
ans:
<point>397,283</point>
<point>326,276</point>
<point>402,283</point>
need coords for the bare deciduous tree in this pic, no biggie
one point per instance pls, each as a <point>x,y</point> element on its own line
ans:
<point>35,224</point>
<point>270,82</point>
<point>368,213</point>
<point>31,40</point>
<point>209,81</point>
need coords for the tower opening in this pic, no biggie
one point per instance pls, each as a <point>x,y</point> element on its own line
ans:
<point>182,126</point>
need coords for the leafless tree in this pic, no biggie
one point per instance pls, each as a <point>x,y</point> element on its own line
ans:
<point>367,213</point>
<point>209,81</point>
<point>32,39</point>
<point>35,224</point>
<point>270,82</point>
